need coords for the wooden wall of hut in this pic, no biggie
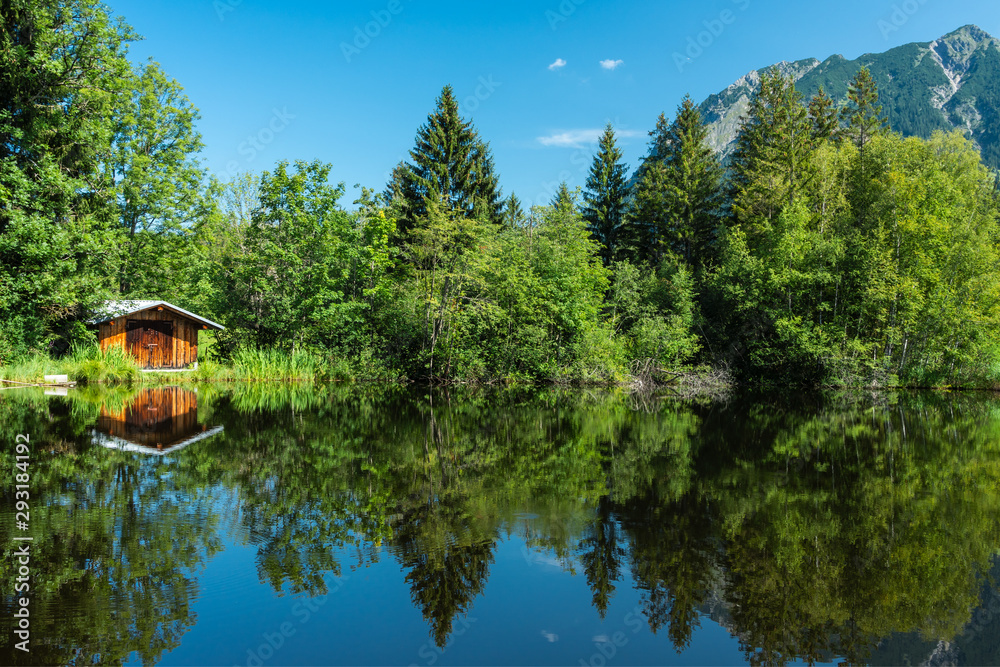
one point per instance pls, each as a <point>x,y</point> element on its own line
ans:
<point>157,417</point>
<point>182,341</point>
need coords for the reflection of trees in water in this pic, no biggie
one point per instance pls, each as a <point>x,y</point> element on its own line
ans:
<point>837,526</point>
<point>807,530</point>
<point>117,545</point>
<point>601,554</point>
<point>675,556</point>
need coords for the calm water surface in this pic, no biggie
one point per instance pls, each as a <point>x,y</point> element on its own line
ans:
<point>277,525</point>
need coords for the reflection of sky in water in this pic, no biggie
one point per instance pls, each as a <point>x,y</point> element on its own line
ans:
<point>527,615</point>
<point>272,503</point>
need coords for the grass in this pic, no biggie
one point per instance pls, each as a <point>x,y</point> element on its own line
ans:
<point>90,365</point>
<point>87,365</point>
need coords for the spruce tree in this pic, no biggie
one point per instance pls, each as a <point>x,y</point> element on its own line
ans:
<point>564,201</point>
<point>693,188</point>
<point>648,212</point>
<point>513,212</point>
<point>449,163</point>
<point>657,146</point>
<point>606,196</point>
<point>824,118</point>
<point>863,113</point>
<point>678,196</point>
<point>771,162</point>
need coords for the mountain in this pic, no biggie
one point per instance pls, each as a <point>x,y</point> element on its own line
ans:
<point>952,82</point>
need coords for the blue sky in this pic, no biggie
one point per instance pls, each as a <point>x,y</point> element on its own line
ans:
<point>350,83</point>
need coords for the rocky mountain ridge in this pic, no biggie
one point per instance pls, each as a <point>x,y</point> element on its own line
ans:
<point>951,82</point>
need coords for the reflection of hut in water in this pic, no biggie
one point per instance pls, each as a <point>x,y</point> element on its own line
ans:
<point>154,421</point>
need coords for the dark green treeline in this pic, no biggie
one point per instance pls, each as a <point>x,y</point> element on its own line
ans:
<point>809,527</point>
<point>828,251</point>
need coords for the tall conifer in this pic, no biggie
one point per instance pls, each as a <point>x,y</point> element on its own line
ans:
<point>606,195</point>
<point>449,163</point>
<point>564,201</point>
<point>771,162</point>
<point>678,197</point>
<point>823,115</point>
<point>863,113</point>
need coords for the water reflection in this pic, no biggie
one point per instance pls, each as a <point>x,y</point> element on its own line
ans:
<point>811,528</point>
<point>154,421</point>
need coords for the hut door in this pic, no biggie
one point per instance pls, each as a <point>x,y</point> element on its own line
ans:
<point>150,342</point>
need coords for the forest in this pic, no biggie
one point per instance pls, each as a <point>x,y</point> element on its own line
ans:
<point>828,250</point>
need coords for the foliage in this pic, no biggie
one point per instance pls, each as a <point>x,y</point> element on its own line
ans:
<point>832,251</point>
<point>606,197</point>
<point>678,198</point>
<point>59,74</point>
<point>450,164</point>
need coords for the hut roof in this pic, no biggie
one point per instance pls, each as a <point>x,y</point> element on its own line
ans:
<point>118,442</point>
<point>109,310</point>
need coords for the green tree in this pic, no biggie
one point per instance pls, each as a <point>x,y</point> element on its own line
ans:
<point>564,201</point>
<point>824,117</point>
<point>157,180</point>
<point>680,195</point>
<point>450,164</point>
<point>770,164</point>
<point>306,269</point>
<point>61,70</point>
<point>605,198</point>
<point>513,212</point>
<point>863,113</point>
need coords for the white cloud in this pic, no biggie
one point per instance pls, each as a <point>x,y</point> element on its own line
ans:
<point>572,138</point>
<point>559,63</point>
<point>612,64</point>
<point>582,138</point>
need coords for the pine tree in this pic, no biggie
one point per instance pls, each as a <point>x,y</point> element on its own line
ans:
<point>450,163</point>
<point>640,237</point>
<point>822,113</point>
<point>693,188</point>
<point>771,162</point>
<point>564,201</point>
<point>657,146</point>
<point>863,113</point>
<point>513,212</point>
<point>606,196</point>
<point>678,197</point>
<point>648,213</point>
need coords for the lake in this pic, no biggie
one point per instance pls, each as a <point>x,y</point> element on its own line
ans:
<point>290,524</point>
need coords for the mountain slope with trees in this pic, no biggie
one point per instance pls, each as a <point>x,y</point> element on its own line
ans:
<point>945,84</point>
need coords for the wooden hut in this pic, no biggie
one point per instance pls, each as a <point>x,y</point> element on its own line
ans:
<point>157,334</point>
<point>154,421</point>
